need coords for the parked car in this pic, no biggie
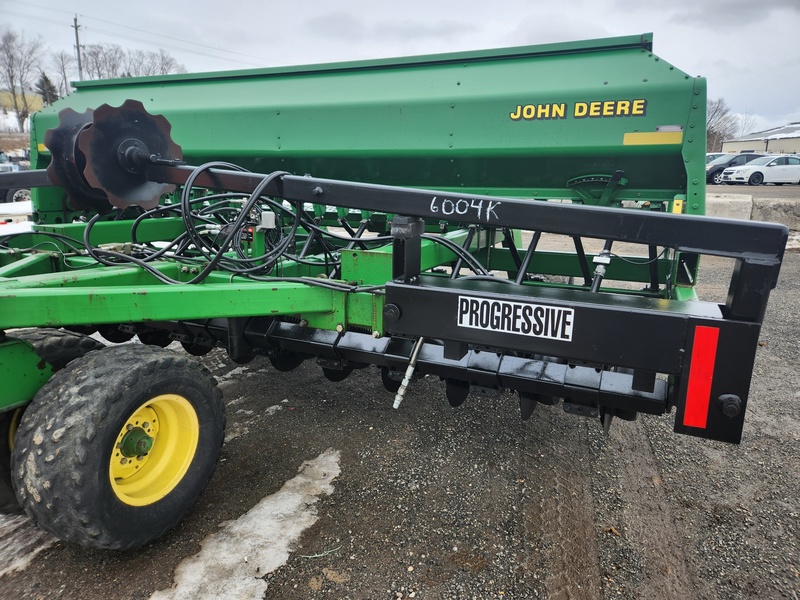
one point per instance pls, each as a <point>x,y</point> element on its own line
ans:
<point>767,169</point>
<point>715,168</point>
<point>713,155</point>
<point>6,166</point>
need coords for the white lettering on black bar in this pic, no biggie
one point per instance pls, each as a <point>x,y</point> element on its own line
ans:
<point>535,320</point>
<point>483,210</point>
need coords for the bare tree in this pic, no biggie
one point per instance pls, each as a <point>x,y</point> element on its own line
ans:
<point>103,61</point>
<point>720,124</point>
<point>19,59</point>
<point>746,122</point>
<point>167,64</point>
<point>63,62</point>
<point>141,63</point>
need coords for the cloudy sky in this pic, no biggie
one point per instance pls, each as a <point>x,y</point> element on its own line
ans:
<point>748,50</point>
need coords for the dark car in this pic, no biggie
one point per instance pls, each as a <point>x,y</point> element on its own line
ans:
<point>715,168</point>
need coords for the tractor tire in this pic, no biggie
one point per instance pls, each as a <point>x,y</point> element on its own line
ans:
<point>116,448</point>
<point>57,347</point>
<point>9,422</point>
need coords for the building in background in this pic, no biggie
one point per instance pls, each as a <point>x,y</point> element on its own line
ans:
<point>778,140</point>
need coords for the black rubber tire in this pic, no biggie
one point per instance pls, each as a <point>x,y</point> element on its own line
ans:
<point>57,347</point>
<point>64,445</point>
<point>716,178</point>
<point>756,178</point>
<point>8,499</point>
<point>84,329</point>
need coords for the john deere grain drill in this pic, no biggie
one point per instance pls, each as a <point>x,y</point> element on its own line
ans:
<point>524,221</point>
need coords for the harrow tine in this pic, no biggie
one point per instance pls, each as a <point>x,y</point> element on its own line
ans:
<point>527,404</point>
<point>456,391</point>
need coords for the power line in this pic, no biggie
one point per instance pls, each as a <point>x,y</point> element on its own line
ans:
<point>174,38</point>
<point>160,43</point>
<point>34,18</point>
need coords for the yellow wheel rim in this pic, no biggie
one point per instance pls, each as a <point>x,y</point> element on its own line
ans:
<point>154,449</point>
<point>12,428</point>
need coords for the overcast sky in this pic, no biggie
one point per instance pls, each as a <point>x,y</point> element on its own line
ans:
<point>747,49</point>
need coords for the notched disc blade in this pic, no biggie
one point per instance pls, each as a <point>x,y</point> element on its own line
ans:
<point>113,128</point>
<point>68,162</point>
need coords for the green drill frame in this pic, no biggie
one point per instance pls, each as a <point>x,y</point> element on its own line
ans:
<point>618,134</point>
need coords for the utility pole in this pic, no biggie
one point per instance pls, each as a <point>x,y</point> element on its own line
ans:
<point>78,47</point>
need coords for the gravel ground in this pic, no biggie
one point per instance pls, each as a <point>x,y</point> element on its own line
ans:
<point>439,503</point>
<point>474,503</point>
<point>433,502</point>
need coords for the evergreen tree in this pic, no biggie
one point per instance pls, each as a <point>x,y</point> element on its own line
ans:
<point>46,89</point>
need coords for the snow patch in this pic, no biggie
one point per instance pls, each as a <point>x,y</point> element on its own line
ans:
<point>237,400</point>
<point>8,121</point>
<point>235,431</point>
<point>20,542</point>
<point>233,373</point>
<point>233,561</point>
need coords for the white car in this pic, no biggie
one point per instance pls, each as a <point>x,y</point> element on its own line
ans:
<point>778,169</point>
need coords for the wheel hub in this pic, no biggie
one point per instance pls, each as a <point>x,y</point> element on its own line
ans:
<point>136,443</point>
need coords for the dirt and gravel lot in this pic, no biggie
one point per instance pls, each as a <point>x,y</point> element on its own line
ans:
<point>432,502</point>
<point>441,503</point>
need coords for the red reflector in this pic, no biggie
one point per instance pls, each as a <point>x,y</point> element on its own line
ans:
<point>701,373</point>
